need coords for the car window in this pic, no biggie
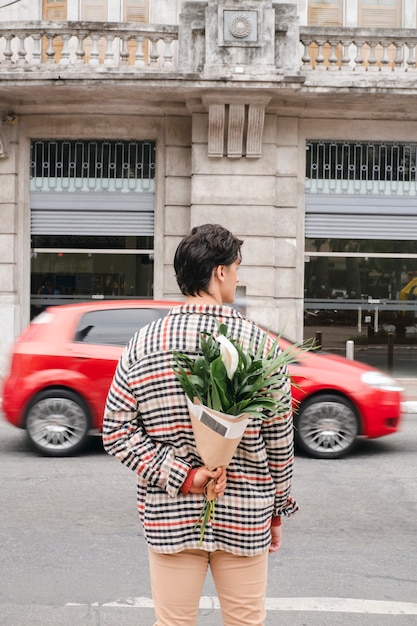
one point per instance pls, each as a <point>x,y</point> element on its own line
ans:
<point>115,326</point>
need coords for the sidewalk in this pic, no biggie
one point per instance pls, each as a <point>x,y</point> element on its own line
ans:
<point>410,394</point>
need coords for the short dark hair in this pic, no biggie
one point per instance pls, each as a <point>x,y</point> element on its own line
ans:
<point>197,255</point>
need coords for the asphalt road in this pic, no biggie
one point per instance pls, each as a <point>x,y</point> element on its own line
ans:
<point>72,553</point>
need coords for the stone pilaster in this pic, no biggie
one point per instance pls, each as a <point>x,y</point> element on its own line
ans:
<point>8,236</point>
<point>177,188</point>
<point>289,231</point>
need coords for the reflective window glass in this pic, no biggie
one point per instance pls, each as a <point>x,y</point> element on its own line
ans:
<point>63,277</point>
<point>114,326</point>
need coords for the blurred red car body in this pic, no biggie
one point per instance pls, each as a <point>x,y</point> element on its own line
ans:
<point>63,363</point>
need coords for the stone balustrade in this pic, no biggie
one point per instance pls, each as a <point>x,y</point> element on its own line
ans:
<point>94,45</point>
<point>358,49</point>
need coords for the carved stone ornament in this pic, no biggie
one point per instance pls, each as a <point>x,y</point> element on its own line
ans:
<point>240,26</point>
<point>227,123</point>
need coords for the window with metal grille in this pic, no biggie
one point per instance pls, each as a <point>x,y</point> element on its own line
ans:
<point>89,165</point>
<point>361,190</point>
<point>360,239</point>
<point>91,220</point>
<point>99,187</point>
<point>335,163</point>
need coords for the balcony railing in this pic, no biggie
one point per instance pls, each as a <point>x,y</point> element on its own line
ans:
<point>358,49</point>
<point>98,46</point>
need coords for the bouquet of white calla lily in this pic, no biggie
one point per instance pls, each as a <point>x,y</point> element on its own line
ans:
<point>226,386</point>
<point>229,354</point>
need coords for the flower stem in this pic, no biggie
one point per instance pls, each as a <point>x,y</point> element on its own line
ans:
<point>207,514</point>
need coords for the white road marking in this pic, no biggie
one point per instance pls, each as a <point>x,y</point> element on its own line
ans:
<point>324,605</point>
<point>409,406</point>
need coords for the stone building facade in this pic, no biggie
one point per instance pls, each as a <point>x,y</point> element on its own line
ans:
<point>223,97</point>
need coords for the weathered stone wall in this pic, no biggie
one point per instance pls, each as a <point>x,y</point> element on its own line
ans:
<point>10,251</point>
<point>230,122</point>
<point>258,200</point>
<point>177,220</point>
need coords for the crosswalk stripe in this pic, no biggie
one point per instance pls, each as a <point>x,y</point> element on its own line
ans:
<point>324,605</point>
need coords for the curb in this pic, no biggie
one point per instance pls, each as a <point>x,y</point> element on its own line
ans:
<point>409,406</point>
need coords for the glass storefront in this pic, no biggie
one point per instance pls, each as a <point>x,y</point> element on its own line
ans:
<point>379,269</point>
<point>361,251</point>
<point>62,277</point>
<point>92,221</point>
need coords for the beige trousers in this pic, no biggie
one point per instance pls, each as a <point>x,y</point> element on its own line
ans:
<point>177,582</point>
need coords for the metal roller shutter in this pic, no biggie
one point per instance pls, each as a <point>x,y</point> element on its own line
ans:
<point>84,213</point>
<point>361,217</point>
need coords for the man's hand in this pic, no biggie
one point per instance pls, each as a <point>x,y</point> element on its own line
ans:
<point>275,538</point>
<point>202,477</point>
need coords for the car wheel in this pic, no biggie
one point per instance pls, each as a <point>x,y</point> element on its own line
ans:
<point>57,422</point>
<point>326,426</point>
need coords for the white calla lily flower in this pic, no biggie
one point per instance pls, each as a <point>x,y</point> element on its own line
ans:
<point>230,355</point>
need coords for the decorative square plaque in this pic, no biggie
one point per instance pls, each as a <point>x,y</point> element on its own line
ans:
<point>240,27</point>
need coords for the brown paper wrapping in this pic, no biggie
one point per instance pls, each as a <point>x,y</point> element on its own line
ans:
<point>214,449</point>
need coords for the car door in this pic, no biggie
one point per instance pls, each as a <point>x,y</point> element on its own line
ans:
<point>100,338</point>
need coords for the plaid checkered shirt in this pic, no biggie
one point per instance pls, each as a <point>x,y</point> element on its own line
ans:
<point>147,426</point>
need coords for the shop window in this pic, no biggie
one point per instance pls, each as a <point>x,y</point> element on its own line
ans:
<point>92,220</point>
<point>360,280</point>
<point>364,300</point>
<point>342,269</point>
<point>60,276</point>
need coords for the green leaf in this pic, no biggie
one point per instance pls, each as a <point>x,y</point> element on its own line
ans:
<point>196,381</point>
<point>199,364</point>
<point>259,385</point>
<point>221,383</point>
<point>223,329</point>
<point>216,402</point>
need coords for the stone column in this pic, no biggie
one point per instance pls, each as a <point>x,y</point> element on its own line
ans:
<point>177,189</point>
<point>8,237</point>
<point>289,240</point>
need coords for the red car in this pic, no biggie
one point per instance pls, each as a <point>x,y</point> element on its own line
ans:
<point>63,363</point>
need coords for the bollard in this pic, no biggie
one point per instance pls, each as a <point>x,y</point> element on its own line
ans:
<point>318,342</point>
<point>350,350</point>
<point>390,351</point>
